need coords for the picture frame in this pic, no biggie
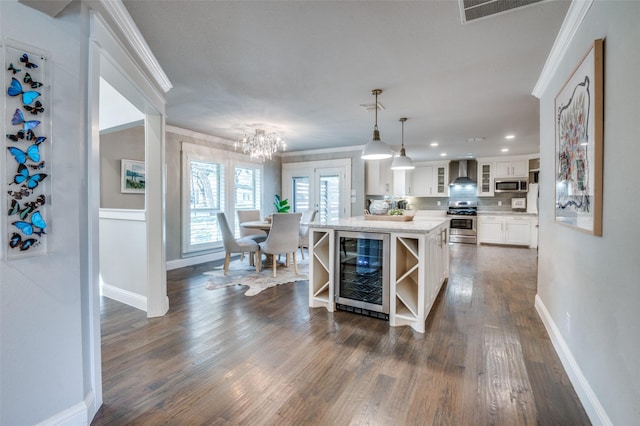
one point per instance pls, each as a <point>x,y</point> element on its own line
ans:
<point>579,145</point>
<point>132,177</point>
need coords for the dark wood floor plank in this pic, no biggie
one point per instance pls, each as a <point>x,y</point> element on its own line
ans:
<point>221,358</point>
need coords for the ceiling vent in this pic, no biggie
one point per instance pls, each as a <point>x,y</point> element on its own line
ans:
<point>471,10</point>
<point>372,107</point>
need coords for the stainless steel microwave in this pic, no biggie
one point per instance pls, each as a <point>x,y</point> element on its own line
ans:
<point>511,185</point>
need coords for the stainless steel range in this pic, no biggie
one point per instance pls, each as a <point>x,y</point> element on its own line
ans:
<point>462,228</point>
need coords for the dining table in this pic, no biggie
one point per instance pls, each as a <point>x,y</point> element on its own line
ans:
<point>257,224</point>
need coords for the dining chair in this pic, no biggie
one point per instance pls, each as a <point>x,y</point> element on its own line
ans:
<point>233,245</point>
<point>251,216</point>
<point>283,238</point>
<point>307,218</point>
<point>256,235</point>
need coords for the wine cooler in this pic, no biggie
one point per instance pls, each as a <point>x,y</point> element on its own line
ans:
<point>362,273</point>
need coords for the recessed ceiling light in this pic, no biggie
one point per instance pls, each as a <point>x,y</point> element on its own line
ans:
<point>434,144</point>
<point>443,154</point>
<point>505,150</point>
<point>468,155</point>
<point>510,137</point>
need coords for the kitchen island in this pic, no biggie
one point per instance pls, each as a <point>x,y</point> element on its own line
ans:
<point>416,255</point>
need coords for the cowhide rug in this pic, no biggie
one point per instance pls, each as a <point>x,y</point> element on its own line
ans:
<point>240,273</point>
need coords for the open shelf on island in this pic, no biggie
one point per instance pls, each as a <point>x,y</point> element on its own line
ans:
<point>407,293</point>
<point>403,313</point>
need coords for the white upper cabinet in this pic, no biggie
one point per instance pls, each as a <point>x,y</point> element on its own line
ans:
<point>485,179</point>
<point>511,168</point>
<point>379,177</point>
<point>429,180</point>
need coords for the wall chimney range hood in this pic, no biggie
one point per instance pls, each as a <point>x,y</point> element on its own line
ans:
<point>462,178</point>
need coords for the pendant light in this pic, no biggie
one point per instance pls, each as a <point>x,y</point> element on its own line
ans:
<point>402,162</point>
<point>376,149</point>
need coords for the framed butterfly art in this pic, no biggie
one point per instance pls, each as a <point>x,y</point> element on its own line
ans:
<point>27,181</point>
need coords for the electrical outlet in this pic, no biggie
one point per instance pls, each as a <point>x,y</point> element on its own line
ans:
<point>499,203</point>
<point>568,315</point>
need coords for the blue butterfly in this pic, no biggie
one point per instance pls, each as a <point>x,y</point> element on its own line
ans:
<point>32,153</point>
<point>18,118</point>
<point>25,61</point>
<point>32,181</point>
<point>30,228</point>
<point>28,136</point>
<point>17,241</point>
<point>16,89</point>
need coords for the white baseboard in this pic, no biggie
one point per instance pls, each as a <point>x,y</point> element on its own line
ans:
<point>123,296</point>
<point>188,261</point>
<point>588,398</point>
<point>76,415</point>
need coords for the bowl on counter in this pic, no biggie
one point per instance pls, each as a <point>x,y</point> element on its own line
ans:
<point>378,207</point>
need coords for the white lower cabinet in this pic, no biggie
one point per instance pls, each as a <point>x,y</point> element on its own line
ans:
<point>421,267</point>
<point>321,266</point>
<point>514,230</point>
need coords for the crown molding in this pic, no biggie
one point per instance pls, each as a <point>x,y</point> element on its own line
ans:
<point>124,22</point>
<point>198,135</point>
<point>321,151</point>
<point>575,15</point>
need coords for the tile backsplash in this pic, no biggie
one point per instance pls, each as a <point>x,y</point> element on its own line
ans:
<point>461,194</point>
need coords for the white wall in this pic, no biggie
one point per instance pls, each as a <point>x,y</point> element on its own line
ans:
<point>123,254</point>
<point>43,360</point>
<point>589,285</point>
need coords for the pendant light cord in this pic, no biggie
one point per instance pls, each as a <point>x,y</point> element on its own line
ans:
<point>376,107</point>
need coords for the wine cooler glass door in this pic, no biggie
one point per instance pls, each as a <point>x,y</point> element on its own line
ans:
<point>363,270</point>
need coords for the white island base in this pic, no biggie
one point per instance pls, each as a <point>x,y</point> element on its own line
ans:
<point>419,265</point>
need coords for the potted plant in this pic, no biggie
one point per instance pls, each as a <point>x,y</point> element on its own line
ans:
<point>282,206</point>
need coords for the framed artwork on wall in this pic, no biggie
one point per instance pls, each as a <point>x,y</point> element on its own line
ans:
<point>132,176</point>
<point>579,145</point>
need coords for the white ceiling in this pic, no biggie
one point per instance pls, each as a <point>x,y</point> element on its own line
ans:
<point>303,68</point>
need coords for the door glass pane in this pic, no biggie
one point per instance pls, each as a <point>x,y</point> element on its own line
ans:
<point>301,193</point>
<point>329,198</point>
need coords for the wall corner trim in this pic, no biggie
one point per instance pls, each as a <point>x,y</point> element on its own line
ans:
<point>77,415</point>
<point>587,396</point>
<point>125,23</point>
<point>123,296</point>
<point>194,260</point>
<point>572,21</point>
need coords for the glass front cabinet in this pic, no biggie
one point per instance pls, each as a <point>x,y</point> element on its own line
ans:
<point>485,179</point>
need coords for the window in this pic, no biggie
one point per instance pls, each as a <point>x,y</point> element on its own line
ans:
<point>205,201</point>
<point>210,177</point>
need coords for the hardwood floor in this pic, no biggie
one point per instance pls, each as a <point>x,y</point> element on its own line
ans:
<point>219,357</point>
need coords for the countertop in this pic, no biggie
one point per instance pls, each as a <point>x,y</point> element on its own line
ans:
<point>422,225</point>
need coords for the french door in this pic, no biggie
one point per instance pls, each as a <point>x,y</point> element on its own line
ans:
<point>324,186</point>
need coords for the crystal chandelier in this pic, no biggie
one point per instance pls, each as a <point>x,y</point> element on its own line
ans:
<point>261,145</point>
